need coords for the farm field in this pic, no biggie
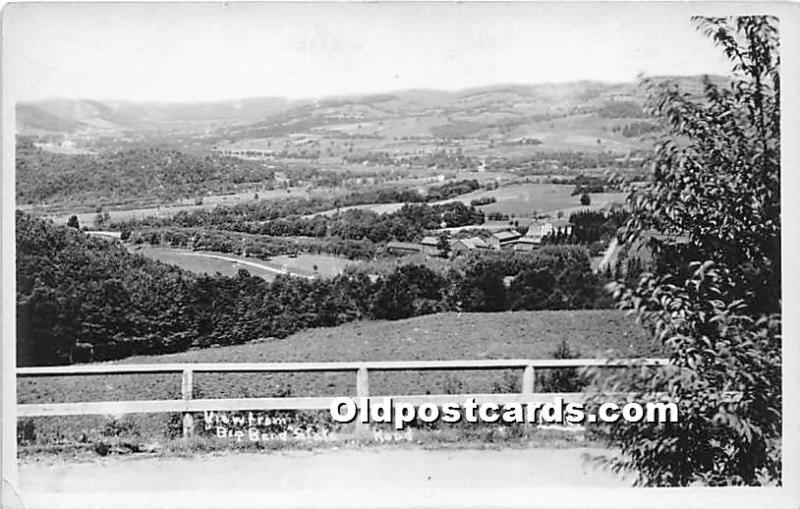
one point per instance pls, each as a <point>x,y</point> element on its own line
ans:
<point>420,128</point>
<point>67,150</point>
<point>379,208</point>
<point>516,200</point>
<point>188,205</point>
<point>584,132</point>
<point>530,199</point>
<point>326,265</point>
<point>227,264</point>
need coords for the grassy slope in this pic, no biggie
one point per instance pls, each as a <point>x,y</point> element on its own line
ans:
<point>531,334</point>
<point>443,336</point>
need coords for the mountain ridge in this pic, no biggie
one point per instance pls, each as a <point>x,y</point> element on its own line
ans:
<point>65,116</point>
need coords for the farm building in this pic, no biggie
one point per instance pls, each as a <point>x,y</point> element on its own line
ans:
<point>504,238</point>
<point>281,178</point>
<point>461,246</point>
<point>107,235</point>
<point>525,244</point>
<point>543,229</point>
<point>430,246</point>
<point>403,248</point>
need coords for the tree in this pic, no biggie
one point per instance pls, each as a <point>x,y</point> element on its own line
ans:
<point>102,218</point>
<point>72,222</point>
<point>585,199</point>
<point>443,245</point>
<point>714,300</point>
<point>409,290</point>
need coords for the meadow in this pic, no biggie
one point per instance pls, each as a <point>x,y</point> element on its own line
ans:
<point>532,199</point>
<point>227,264</point>
<point>521,334</point>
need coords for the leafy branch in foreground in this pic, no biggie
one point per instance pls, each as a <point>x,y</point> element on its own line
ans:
<point>711,216</point>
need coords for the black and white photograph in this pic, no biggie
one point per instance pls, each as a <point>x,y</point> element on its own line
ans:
<point>399,254</point>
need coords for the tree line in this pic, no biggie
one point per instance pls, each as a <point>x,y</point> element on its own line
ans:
<point>255,246</point>
<point>409,223</point>
<point>77,294</point>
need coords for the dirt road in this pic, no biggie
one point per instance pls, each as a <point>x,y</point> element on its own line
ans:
<point>365,478</point>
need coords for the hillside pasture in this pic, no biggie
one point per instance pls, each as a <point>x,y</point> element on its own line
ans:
<point>446,336</point>
<point>581,132</point>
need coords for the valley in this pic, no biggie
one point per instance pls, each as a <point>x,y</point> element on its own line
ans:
<point>309,236</point>
<point>411,225</point>
<point>338,144</point>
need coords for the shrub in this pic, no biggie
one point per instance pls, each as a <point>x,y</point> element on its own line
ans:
<point>26,432</point>
<point>563,379</point>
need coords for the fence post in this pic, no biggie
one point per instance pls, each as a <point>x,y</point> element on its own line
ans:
<point>528,381</point>
<point>362,391</point>
<point>186,392</point>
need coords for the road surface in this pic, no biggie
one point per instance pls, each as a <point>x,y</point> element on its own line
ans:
<point>325,478</point>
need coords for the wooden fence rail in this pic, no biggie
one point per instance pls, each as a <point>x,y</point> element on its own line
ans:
<point>187,404</point>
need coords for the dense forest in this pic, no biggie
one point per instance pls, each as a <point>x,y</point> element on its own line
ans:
<point>442,159</point>
<point>592,226</point>
<point>621,109</point>
<point>635,129</point>
<point>119,176</point>
<point>80,298</point>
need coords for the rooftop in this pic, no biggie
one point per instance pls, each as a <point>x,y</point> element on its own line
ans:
<point>403,245</point>
<point>472,243</point>
<point>507,235</point>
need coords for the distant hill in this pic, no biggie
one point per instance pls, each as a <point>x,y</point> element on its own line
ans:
<point>71,116</point>
<point>506,120</point>
<point>32,119</point>
<point>484,104</point>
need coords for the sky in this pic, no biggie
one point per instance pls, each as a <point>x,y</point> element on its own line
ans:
<point>216,51</point>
